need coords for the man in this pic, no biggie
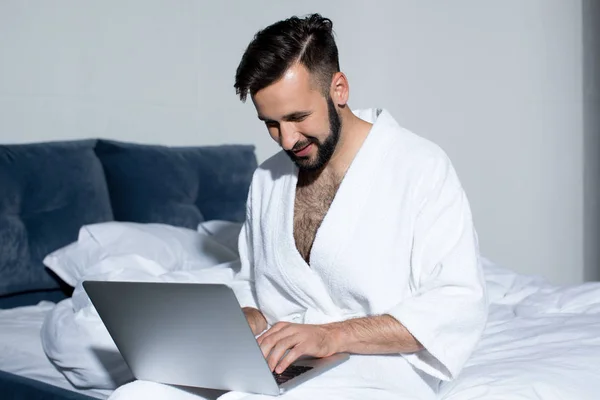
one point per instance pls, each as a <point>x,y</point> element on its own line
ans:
<point>358,236</point>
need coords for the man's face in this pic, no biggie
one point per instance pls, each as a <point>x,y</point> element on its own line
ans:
<point>298,117</point>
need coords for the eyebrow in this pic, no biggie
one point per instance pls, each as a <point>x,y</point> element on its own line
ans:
<point>294,116</point>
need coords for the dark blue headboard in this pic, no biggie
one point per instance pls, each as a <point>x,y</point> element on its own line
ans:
<point>49,190</point>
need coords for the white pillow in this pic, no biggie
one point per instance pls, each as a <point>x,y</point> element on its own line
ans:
<point>225,232</point>
<point>171,247</point>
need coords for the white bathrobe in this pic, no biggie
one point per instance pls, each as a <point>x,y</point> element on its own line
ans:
<point>398,239</point>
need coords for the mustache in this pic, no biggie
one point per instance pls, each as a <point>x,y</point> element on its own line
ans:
<point>301,145</point>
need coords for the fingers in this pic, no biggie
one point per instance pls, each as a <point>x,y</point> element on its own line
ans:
<point>293,339</point>
<point>277,353</point>
<point>268,339</point>
<point>272,337</point>
<point>278,340</point>
<point>274,329</point>
<point>289,358</point>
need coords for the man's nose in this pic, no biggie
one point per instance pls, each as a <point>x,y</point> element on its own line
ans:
<point>288,136</point>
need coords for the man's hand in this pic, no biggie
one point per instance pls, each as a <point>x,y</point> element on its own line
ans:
<point>310,340</point>
<point>368,335</point>
<point>255,319</point>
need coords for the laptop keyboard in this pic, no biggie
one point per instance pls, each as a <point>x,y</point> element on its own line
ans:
<point>290,372</point>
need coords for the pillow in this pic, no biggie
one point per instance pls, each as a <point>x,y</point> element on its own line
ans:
<point>48,191</point>
<point>180,186</point>
<point>172,248</point>
<point>225,232</point>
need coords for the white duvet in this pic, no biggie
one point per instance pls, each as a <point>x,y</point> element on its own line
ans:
<point>73,336</point>
<point>541,341</point>
<point>21,351</point>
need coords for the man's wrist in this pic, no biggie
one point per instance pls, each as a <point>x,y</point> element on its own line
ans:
<point>338,337</point>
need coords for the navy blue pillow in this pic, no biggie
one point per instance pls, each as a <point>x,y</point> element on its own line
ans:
<point>180,186</point>
<point>47,192</point>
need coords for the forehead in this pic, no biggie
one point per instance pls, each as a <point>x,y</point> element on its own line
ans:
<point>293,92</point>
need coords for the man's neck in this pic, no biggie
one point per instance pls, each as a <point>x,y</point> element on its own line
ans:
<point>352,136</point>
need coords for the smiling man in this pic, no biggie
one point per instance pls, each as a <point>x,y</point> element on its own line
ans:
<point>359,237</point>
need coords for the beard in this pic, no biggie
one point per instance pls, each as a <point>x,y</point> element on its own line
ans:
<point>326,149</point>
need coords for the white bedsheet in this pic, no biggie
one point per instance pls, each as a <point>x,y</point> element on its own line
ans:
<point>541,341</point>
<point>21,350</point>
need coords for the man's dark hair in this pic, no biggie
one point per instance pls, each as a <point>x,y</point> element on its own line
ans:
<point>276,48</point>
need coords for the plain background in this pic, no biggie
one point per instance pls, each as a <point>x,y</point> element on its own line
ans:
<point>507,88</point>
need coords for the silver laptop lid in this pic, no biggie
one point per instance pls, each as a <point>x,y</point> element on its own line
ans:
<point>183,334</point>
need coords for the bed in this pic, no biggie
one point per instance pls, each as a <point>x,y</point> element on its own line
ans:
<point>541,341</point>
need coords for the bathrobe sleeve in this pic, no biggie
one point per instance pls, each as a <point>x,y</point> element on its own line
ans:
<point>447,310</point>
<point>243,282</point>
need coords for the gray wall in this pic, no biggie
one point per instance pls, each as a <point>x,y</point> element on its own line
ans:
<point>591,138</point>
<point>498,84</point>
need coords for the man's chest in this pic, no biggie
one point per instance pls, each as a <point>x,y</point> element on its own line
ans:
<point>311,204</point>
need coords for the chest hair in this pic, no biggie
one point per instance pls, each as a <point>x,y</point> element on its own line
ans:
<point>313,199</point>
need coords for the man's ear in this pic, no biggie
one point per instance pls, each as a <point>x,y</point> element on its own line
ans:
<point>340,89</point>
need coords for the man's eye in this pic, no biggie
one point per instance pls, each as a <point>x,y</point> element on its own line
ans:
<point>299,119</point>
<point>271,124</point>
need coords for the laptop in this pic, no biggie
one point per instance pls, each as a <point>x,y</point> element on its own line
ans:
<point>193,335</point>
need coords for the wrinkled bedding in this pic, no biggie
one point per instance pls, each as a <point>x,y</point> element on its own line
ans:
<point>21,351</point>
<point>541,341</point>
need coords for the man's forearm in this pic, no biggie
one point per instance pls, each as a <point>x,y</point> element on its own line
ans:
<point>373,335</point>
<point>256,319</point>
